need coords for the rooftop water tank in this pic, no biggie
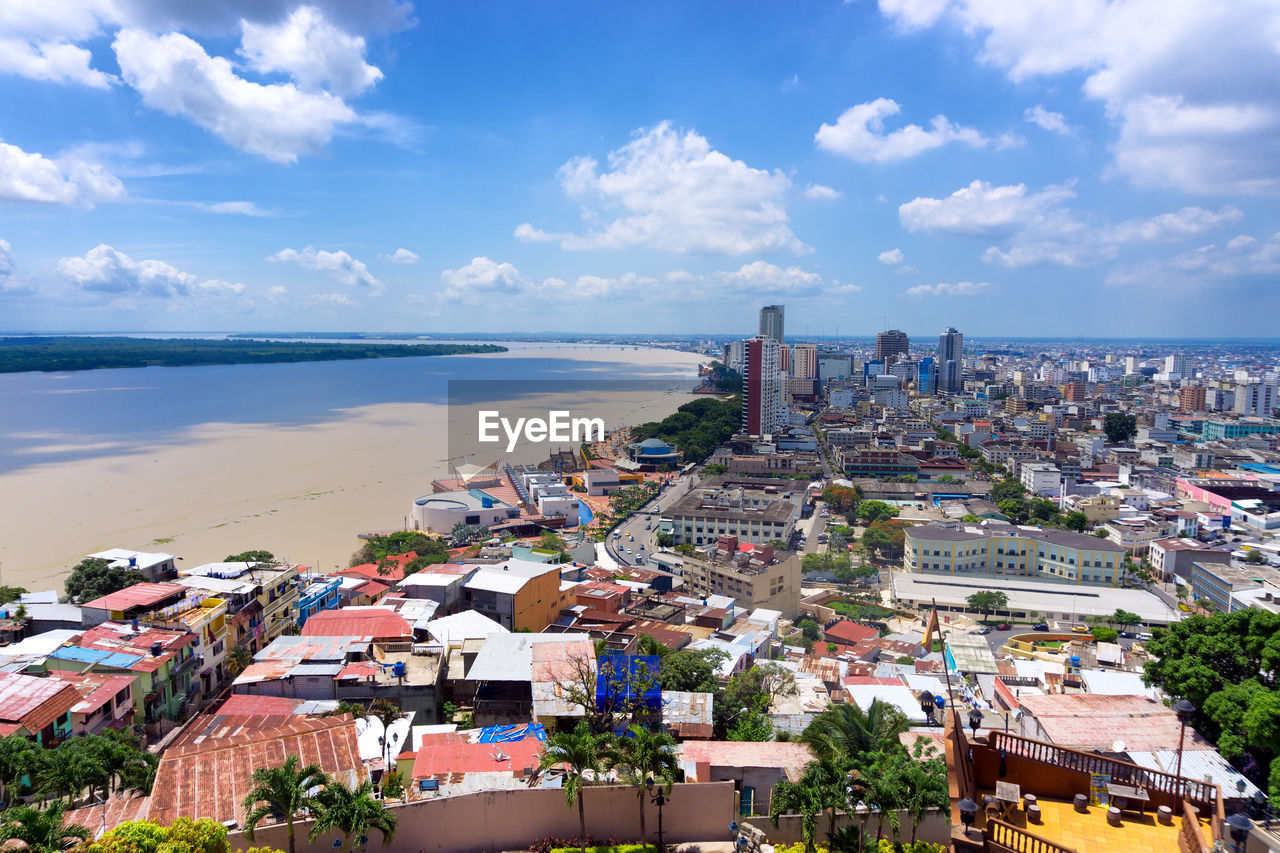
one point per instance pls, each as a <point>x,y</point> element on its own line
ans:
<point>1075,660</point>
<point>486,502</point>
<point>156,648</point>
<point>399,669</point>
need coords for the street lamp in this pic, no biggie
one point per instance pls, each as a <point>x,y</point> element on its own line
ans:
<point>1185,710</point>
<point>862,811</point>
<point>1241,826</point>
<point>926,705</point>
<point>968,812</point>
<point>975,721</point>
<point>659,799</point>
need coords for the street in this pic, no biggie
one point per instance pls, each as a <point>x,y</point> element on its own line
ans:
<point>632,531</point>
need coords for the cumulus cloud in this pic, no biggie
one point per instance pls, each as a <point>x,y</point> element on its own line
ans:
<point>764,277</point>
<point>982,210</point>
<point>859,134</point>
<point>960,288</point>
<point>340,265</point>
<point>1187,222</point>
<point>279,121</point>
<point>28,176</point>
<point>670,190</point>
<point>401,256</point>
<point>891,257</point>
<point>55,62</point>
<point>820,193</point>
<point>1187,119</point>
<point>104,269</point>
<point>1046,120</point>
<point>331,300</point>
<point>1242,257</point>
<point>276,293</point>
<point>481,277</point>
<point>309,48</point>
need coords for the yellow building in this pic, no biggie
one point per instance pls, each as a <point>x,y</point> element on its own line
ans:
<point>995,548</point>
<point>519,594</point>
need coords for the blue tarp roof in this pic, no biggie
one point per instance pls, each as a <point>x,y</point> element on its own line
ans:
<point>613,685</point>
<point>96,657</point>
<point>511,734</point>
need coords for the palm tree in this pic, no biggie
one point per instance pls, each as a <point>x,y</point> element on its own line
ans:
<point>386,712</point>
<point>238,659</point>
<point>642,756</point>
<point>846,731</point>
<point>69,769</point>
<point>282,792</point>
<point>41,830</point>
<point>18,758</point>
<point>578,753</point>
<point>883,791</point>
<point>649,645</point>
<point>817,790</point>
<point>353,812</point>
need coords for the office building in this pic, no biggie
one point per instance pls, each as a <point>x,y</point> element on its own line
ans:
<point>734,352</point>
<point>1256,399</point>
<point>1005,549</point>
<point>892,344</point>
<point>926,376</point>
<point>771,322</point>
<point>762,387</point>
<point>1191,399</point>
<point>950,361</point>
<point>1176,367</point>
<point>804,361</point>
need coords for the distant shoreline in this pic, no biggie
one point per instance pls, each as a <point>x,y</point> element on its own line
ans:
<point>58,353</point>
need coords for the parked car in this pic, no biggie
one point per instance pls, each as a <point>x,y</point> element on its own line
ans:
<point>1003,626</point>
<point>985,629</point>
<point>1144,637</point>
<point>1080,629</point>
<point>1041,627</point>
<point>1128,635</point>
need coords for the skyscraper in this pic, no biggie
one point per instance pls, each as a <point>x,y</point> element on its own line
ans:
<point>762,387</point>
<point>771,322</point>
<point>891,344</point>
<point>804,361</point>
<point>950,361</point>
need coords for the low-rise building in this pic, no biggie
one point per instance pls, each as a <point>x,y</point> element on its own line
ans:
<point>752,515</point>
<point>154,567</point>
<point>1041,478</point>
<point>518,594</point>
<point>1170,557</point>
<point>1219,583</point>
<point>38,708</point>
<point>754,576</point>
<point>106,701</point>
<point>992,548</point>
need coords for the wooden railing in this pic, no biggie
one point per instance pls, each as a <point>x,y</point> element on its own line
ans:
<point>1203,793</point>
<point>1007,838</point>
<point>1190,839</point>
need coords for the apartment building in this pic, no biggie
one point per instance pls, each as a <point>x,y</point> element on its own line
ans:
<point>753,576</point>
<point>994,548</point>
<point>751,515</point>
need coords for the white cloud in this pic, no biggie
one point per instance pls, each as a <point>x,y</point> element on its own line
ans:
<point>891,257</point>
<point>6,261</point>
<point>1187,222</point>
<point>312,50</point>
<point>340,265</point>
<point>481,277</point>
<point>401,256</point>
<point>820,193</point>
<point>173,74</point>
<point>104,269</point>
<point>960,288</point>
<point>55,62</point>
<point>981,210</point>
<point>1046,120</point>
<point>1242,257</point>
<point>859,135</point>
<point>28,176</point>
<point>276,293</point>
<point>331,300</point>
<point>1191,85</point>
<point>238,208</point>
<point>764,277</point>
<point>672,191</point>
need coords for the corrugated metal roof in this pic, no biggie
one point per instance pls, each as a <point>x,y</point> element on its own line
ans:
<point>377,622</point>
<point>313,648</point>
<point>509,657</point>
<point>1200,764</point>
<point>452,753</point>
<point>34,702</point>
<point>138,595</point>
<point>304,669</point>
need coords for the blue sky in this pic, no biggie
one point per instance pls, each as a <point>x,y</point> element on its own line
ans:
<point>1030,168</point>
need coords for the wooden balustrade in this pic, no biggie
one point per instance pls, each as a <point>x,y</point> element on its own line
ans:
<point>1007,838</point>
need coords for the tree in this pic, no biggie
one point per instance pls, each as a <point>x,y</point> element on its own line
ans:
<point>1125,618</point>
<point>238,659</point>
<point>1255,557</point>
<point>642,756</point>
<point>1077,521</point>
<point>666,540</point>
<point>1103,634</point>
<point>1007,489</point>
<point>918,778</point>
<point>755,690</point>
<point>809,628</point>
<point>282,792</point>
<point>69,769</point>
<point>691,671</point>
<point>613,693</point>
<point>846,732</point>
<point>18,758</point>
<point>818,789</point>
<point>885,539</point>
<point>42,830</point>
<point>353,812</point>
<point>1014,509</point>
<point>93,578</point>
<point>184,835</point>
<point>577,755</point>
<point>251,557</point>
<point>987,601</point>
<point>1119,427</point>
<point>842,499</point>
<point>714,469</point>
<point>872,511</point>
<point>1042,509</point>
<point>386,712</point>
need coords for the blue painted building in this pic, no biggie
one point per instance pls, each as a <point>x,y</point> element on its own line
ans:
<point>319,594</point>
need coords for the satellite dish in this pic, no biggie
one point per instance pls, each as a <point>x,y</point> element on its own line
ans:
<point>1118,746</point>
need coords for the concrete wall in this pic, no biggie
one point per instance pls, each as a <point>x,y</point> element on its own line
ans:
<point>936,827</point>
<point>515,819</point>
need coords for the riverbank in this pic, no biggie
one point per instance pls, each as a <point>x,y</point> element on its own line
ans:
<point>301,488</point>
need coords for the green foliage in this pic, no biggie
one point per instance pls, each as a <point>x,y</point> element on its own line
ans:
<point>809,628</point>
<point>93,578</point>
<point>820,788</point>
<point>860,610</point>
<point>691,671</point>
<point>697,428</point>
<point>251,557</point>
<point>714,469</point>
<point>845,732</point>
<point>1077,521</point>
<point>1104,634</point>
<point>283,791</point>
<point>1124,617</point>
<point>184,835</point>
<point>666,540</point>
<point>1007,489</point>
<point>987,601</point>
<point>872,511</point>
<point>577,755</point>
<point>354,812</point>
<point>755,691</point>
<point>842,499</point>
<point>1014,509</point>
<point>608,848</point>
<point>41,830</point>
<point>79,353</point>
<point>885,540</point>
<point>11,593</point>
<point>1119,427</point>
<point>1255,557</point>
<point>640,757</point>
<point>725,378</point>
<point>380,547</point>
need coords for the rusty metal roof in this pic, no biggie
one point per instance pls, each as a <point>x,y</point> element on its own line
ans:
<point>138,595</point>
<point>34,702</point>
<point>377,622</point>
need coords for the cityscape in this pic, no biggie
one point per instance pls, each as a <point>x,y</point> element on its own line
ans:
<point>662,428</point>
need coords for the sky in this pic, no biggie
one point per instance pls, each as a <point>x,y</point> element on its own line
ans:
<point>1040,167</point>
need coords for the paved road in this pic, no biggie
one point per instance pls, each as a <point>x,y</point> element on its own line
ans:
<point>632,531</point>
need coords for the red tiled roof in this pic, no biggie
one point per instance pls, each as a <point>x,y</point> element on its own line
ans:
<point>138,595</point>
<point>443,754</point>
<point>115,811</point>
<point>210,779</point>
<point>373,589</point>
<point>850,633</point>
<point>34,702</point>
<point>376,622</point>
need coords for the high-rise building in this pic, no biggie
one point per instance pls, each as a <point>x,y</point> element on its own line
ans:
<point>784,360</point>
<point>1256,398</point>
<point>950,361</point>
<point>762,387</point>
<point>891,344</point>
<point>1130,365</point>
<point>733,355</point>
<point>1176,367</point>
<point>771,322</point>
<point>804,361</point>
<point>1191,398</point>
<point>926,376</point>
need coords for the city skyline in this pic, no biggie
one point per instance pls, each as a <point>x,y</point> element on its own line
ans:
<point>387,166</point>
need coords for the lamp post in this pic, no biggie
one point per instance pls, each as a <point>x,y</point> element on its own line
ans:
<point>1240,829</point>
<point>658,798</point>
<point>975,721</point>
<point>1184,709</point>
<point>926,705</point>
<point>968,811</point>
